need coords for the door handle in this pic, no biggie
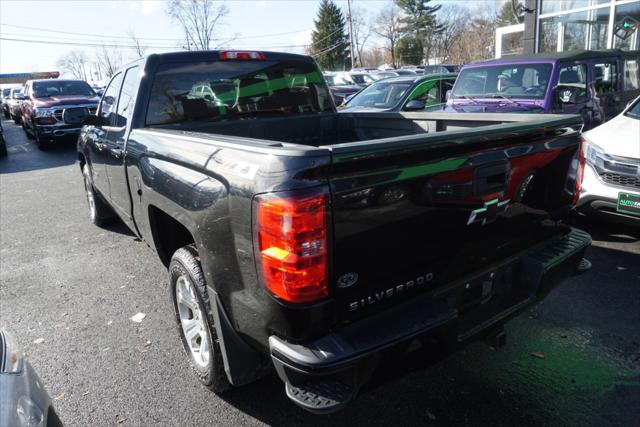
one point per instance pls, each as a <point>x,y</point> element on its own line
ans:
<point>116,152</point>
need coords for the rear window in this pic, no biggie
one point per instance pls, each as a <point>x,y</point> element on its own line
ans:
<point>61,87</point>
<point>230,90</point>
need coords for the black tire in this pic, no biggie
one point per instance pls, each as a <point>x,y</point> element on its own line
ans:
<point>43,144</point>
<point>26,131</point>
<point>6,114</point>
<point>17,119</point>
<point>3,147</point>
<point>185,263</point>
<point>100,213</point>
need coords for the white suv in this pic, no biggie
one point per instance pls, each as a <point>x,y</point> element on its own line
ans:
<point>611,183</point>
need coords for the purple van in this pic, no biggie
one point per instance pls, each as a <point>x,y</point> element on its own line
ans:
<point>595,84</point>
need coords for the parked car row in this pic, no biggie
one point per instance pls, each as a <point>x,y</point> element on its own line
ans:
<point>50,109</point>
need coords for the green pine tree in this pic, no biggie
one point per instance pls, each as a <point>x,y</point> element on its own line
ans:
<point>420,22</point>
<point>329,41</point>
<point>510,13</point>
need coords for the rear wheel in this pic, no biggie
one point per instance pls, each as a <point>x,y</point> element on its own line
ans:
<point>100,212</point>
<point>195,321</point>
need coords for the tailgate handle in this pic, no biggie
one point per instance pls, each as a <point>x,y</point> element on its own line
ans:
<point>491,178</point>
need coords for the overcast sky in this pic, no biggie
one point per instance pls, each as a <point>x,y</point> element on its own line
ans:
<point>57,27</point>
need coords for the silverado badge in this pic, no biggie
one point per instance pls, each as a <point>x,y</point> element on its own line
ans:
<point>489,212</point>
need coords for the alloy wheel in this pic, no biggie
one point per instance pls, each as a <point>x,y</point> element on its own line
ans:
<point>193,322</point>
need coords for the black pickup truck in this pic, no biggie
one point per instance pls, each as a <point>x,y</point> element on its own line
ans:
<point>322,243</point>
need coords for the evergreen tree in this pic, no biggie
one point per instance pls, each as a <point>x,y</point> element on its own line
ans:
<point>329,41</point>
<point>409,50</point>
<point>510,13</point>
<point>420,22</point>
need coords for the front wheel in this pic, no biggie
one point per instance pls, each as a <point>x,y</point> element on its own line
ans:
<point>100,212</point>
<point>26,130</point>
<point>195,322</point>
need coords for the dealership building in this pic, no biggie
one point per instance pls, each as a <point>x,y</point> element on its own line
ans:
<point>564,25</point>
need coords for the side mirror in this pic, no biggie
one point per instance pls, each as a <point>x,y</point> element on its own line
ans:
<point>90,120</point>
<point>448,94</point>
<point>414,105</point>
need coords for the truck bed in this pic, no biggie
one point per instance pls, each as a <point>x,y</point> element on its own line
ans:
<point>343,128</point>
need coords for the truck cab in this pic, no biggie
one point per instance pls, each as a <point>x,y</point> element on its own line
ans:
<point>595,84</point>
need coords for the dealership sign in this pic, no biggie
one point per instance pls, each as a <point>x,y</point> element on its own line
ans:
<point>23,77</point>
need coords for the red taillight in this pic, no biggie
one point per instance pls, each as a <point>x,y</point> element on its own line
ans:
<point>226,55</point>
<point>292,246</point>
<point>582,159</point>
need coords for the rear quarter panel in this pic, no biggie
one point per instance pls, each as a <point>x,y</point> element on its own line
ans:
<point>208,185</point>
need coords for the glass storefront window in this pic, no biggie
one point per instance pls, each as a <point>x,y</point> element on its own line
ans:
<point>631,74</point>
<point>512,43</point>
<point>626,26</point>
<point>573,31</point>
<point>552,6</point>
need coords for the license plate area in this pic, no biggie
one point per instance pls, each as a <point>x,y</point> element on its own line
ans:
<point>628,203</point>
<point>75,116</point>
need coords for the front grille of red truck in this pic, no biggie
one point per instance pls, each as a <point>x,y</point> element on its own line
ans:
<point>58,113</point>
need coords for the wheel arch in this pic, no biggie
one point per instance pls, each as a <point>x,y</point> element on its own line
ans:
<point>168,234</point>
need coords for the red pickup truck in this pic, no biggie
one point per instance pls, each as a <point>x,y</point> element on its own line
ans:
<point>43,107</point>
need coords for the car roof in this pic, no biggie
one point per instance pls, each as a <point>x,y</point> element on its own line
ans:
<point>572,55</point>
<point>420,78</point>
<point>203,55</point>
<point>57,80</point>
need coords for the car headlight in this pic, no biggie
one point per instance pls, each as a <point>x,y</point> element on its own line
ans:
<point>593,153</point>
<point>43,112</point>
<point>11,357</point>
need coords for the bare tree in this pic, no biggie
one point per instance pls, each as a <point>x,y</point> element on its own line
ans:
<point>199,20</point>
<point>138,48</point>
<point>372,57</point>
<point>361,32</point>
<point>108,60</point>
<point>388,25</point>
<point>454,20</point>
<point>74,63</point>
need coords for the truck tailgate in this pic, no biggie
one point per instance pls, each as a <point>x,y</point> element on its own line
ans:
<point>414,213</point>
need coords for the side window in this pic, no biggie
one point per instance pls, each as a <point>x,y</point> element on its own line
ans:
<point>446,87</point>
<point>573,75</point>
<point>431,96</point>
<point>110,100</point>
<point>606,77</point>
<point>424,92</point>
<point>127,97</point>
<point>573,80</point>
<point>631,74</point>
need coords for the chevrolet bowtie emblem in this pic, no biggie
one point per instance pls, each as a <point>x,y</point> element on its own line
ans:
<point>489,212</point>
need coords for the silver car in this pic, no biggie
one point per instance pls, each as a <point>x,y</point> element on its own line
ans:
<point>23,399</point>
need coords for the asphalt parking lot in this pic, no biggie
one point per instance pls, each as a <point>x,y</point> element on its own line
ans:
<point>68,290</point>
